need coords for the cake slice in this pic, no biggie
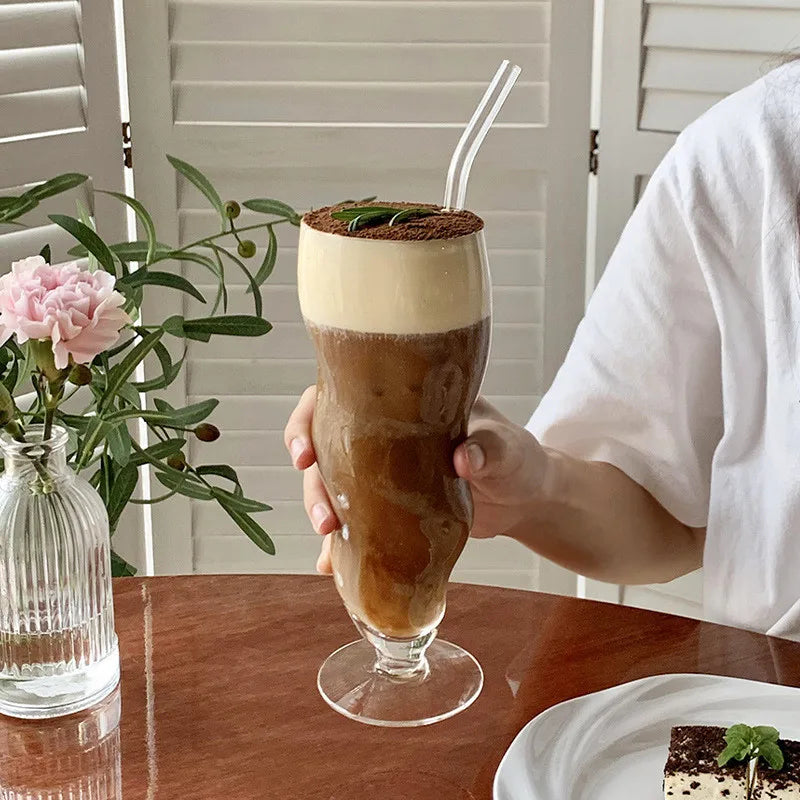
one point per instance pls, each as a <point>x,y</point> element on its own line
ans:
<point>692,772</point>
<point>782,784</point>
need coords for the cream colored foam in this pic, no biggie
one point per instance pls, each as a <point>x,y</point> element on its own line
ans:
<point>381,286</point>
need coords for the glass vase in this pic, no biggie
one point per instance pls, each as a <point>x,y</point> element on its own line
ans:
<point>58,649</point>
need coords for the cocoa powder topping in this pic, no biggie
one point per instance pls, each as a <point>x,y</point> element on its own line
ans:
<point>447,225</point>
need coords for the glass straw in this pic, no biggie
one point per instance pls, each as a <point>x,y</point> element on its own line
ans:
<point>455,192</point>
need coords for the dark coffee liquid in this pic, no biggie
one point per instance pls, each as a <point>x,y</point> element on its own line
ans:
<point>390,411</point>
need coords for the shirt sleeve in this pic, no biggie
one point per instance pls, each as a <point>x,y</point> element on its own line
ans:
<point>641,385</point>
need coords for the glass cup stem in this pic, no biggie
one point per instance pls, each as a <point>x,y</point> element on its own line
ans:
<point>399,658</point>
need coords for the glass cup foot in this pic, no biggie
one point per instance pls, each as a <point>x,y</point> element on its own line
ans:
<point>350,683</point>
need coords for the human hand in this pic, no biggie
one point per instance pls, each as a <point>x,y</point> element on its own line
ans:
<point>503,463</point>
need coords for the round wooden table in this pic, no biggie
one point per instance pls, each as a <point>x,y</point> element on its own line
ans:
<point>219,695</point>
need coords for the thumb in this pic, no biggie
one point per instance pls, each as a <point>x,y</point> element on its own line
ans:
<point>501,459</point>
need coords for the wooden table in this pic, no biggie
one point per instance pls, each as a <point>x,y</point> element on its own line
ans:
<point>219,698</point>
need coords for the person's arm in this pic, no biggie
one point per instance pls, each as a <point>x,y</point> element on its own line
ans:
<point>596,521</point>
<point>587,516</point>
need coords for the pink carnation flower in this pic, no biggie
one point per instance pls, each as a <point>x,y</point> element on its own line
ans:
<point>78,311</point>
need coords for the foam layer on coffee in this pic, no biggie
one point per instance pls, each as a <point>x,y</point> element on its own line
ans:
<point>386,286</point>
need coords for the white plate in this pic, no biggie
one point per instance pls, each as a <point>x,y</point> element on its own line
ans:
<point>614,743</point>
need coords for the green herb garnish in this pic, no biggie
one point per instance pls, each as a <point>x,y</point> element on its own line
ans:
<point>366,216</point>
<point>743,743</point>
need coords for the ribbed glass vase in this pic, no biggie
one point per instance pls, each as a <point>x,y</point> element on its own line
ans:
<point>58,649</point>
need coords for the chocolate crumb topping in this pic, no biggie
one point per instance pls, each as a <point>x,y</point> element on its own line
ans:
<point>447,225</point>
<point>694,749</point>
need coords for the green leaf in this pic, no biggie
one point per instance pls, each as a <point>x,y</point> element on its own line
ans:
<point>146,277</point>
<point>264,205</point>
<point>122,489</point>
<point>239,503</point>
<point>169,371</point>
<point>86,218</point>
<point>57,185</point>
<point>126,251</point>
<point>233,325</point>
<point>143,217</point>
<point>411,213</point>
<point>220,470</point>
<point>188,255</point>
<point>73,421</point>
<point>129,393</point>
<point>174,326</point>
<point>222,289</point>
<point>730,753</point>
<point>119,443</point>
<point>193,175</point>
<point>349,214</point>
<point>257,299</point>
<point>25,369</point>
<point>12,376</point>
<point>194,413</point>
<point>183,484</point>
<point>21,205</point>
<point>172,418</point>
<point>772,754</point>
<point>739,732</point>
<point>45,253</point>
<point>96,431</point>
<point>120,568</point>
<point>157,418</point>
<point>365,220</point>
<point>268,264</point>
<point>249,526</point>
<point>765,733</point>
<point>86,236</point>
<point>364,216</point>
<point>151,456</point>
<point>122,371</point>
<point>163,405</point>
<point>158,451</point>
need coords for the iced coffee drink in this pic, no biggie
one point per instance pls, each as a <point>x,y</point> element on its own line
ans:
<point>400,320</point>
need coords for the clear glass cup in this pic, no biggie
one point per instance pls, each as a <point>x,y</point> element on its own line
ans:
<point>58,648</point>
<point>401,332</point>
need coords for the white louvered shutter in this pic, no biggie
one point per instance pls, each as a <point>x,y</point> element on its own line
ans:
<point>60,112</point>
<point>664,63</point>
<point>315,101</point>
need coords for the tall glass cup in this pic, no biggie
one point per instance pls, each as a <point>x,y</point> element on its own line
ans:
<point>401,331</point>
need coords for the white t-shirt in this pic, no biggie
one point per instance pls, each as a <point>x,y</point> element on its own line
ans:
<point>685,372</point>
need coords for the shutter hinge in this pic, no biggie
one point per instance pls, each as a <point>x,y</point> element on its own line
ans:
<point>127,145</point>
<point>594,151</point>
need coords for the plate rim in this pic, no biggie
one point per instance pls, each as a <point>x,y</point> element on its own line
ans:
<point>614,689</point>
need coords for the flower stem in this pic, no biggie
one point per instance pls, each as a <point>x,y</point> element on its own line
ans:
<point>206,239</point>
<point>17,433</point>
<point>49,416</point>
<point>752,773</point>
